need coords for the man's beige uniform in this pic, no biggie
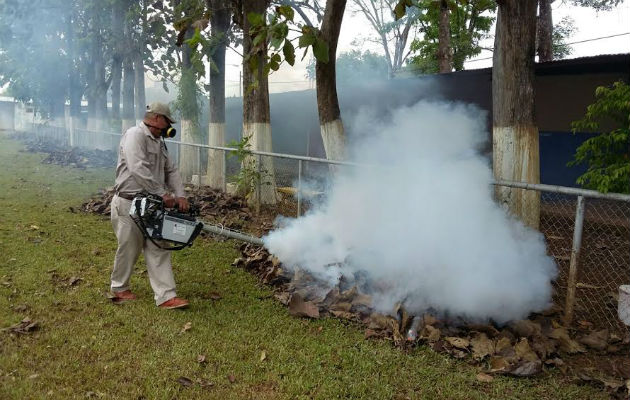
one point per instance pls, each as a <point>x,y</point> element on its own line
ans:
<point>143,165</point>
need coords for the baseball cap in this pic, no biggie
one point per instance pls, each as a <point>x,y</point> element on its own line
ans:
<point>162,109</point>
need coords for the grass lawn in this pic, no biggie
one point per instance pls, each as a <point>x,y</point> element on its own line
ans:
<point>86,347</point>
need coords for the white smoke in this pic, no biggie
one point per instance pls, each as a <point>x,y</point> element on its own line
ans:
<point>421,221</point>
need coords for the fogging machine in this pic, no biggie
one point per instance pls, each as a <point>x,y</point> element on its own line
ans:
<point>166,225</point>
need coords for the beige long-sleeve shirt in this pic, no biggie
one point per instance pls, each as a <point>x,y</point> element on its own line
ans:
<point>144,164</point>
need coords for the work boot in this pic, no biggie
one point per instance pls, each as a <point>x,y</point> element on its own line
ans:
<point>119,297</point>
<point>175,302</point>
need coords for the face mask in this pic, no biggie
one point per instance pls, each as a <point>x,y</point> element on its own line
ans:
<point>168,132</point>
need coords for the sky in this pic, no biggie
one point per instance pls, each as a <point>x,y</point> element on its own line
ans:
<point>589,23</point>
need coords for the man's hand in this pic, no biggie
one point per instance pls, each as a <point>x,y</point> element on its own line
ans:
<point>182,204</point>
<point>169,201</point>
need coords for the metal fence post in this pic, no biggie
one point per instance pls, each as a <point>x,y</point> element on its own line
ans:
<point>258,182</point>
<point>199,169</point>
<point>224,170</point>
<point>299,189</point>
<point>573,263</point>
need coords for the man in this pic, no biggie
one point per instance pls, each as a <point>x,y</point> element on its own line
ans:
<point>144,165</point>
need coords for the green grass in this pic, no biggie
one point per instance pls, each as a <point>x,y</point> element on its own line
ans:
<point>88,347</point>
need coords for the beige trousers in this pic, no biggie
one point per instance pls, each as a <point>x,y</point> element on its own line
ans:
<point>130,243</point>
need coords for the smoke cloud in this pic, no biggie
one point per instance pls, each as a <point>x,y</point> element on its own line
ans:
<point>420,221</point>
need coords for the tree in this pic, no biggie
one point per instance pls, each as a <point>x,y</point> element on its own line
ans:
<point>189,23</point>
<point>544,31</point>
<point>324,46</point>
<point>256,113</point>
<point>608,154</point>
<point>392,32</point>
<point>469,23</point>
<point>599,5</point>
<point>220,14</point>
<point>30,36</point>
<point>330,123</point>
<point>561,32</point>
<point>551,38</point>
<point>514,132</point>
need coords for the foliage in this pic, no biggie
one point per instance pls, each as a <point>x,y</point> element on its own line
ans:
<point>31,35</point>
<point>248,177</point>
<point>599,5</point>
<point>356,65</point>
<point>561,32</point>
<point>470,22</point>
<point>608,154</point>
<point>271,36</point>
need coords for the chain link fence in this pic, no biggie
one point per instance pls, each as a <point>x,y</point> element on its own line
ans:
<point>587,232</point>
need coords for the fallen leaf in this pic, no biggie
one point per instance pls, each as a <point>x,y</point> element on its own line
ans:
<point>369,333</point>
<point>74,280</point>
<point>20,308</point>
<point>187,326</point>
<point>341,306</point>
<point>460,343</point>
<point>524,351</point>
<point>481,346</point>
<point>300,308</point>
<point>282,297</point>
<point>499,364</point>
<point>481,377</point>
<point>204,383</point>
<point>543,346</point>
<point>24,327</point>
<point>431,334</point>
<point>567,344</point>
<point>429,319</point>
<point>597,340</point>
<point>526,368</point>
<point>231,378</point>
<point>214,296</point>
<point>182,380</point>
<point>343,314</point>
<point>263,355</point>
<point>525,328</point>
<point>201,358</point>
<point>557,362</point>
<point>502,344</point>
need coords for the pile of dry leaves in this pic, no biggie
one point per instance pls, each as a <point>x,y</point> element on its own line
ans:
<point>521,348</point>
<point>73,157</point>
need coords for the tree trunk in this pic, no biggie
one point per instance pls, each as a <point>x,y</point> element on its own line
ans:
<point>514,133</point>
<point>141,101</point>
<point>101,86</point>
<point>118,15</point>
<point>444,39</point>
<point>256,115</point>
<point>219,25</point>
<point>545,31</point>
<point>128,117</point>
<point>188,155</point>
<point>333,135</point>
<point>116,85</point>
<point>74,85</point>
